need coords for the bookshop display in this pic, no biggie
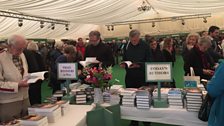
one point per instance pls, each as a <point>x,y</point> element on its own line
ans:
<point>127,103</point>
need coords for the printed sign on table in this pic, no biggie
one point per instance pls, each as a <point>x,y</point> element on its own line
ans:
<point>68,71</point>
<point>159,72</point>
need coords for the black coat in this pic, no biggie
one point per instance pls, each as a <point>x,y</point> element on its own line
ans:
<point>34,60</point>
<point>168,57</point>
<point>156,55</point>
<point>102,52</point>
<point>185,55</point>
<point>135,77</point>
<point>195,61</point>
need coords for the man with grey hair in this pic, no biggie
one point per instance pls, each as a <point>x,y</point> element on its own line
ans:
<point>13,85</point>
<point>200,59</point>
<point>138,53</point>
<point>98,49</point>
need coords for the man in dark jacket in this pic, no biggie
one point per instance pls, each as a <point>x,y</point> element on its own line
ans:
<point>214,49</point>
<point>137,52</point>
<point>98,49</point>
<point>156,54</point>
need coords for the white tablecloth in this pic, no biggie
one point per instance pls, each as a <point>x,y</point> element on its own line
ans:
<point>163,115</point>
<point>75,116</point>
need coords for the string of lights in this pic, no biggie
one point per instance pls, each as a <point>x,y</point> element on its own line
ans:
<point>42,20</point>
<point>110,27</point>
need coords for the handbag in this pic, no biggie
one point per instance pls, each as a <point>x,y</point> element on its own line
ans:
<point>205,108</point>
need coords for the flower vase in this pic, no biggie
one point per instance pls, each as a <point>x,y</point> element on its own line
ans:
<point>98,96</point>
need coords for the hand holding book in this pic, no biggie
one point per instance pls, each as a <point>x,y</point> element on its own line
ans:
<point>129,64</point>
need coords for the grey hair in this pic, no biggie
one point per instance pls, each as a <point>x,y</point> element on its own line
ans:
<point>205,41</point>
<point>133,33</point>
<point>13,39</point>
<point>32,46</point>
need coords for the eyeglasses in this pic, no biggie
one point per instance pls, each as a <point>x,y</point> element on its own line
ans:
<point>18,49</point>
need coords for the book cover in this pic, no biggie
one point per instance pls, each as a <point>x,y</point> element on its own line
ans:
<point>11,123</point>
<point>33,120</point>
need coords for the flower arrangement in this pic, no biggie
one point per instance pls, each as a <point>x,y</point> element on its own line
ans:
<point>98,77</point>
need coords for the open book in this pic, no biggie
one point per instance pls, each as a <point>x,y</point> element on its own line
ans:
<point>128,63</point>
<point>34,77</point>
<point>88,61</point>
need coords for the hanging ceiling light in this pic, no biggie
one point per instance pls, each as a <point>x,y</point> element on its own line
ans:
<point>182,22</point>
<point>108,28</point>
<point>41,24</point>
<point>66,27</point>
<point>153,24</point>
<point>130,26</point>
<point>145,6</point>
<point>205,20</point>
<point>52,26</point>
<point>112,27</point>
<point>20,22</point>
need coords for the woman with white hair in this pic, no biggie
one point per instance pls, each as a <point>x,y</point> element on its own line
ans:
<point>35,64</point>
<point>200,60</point>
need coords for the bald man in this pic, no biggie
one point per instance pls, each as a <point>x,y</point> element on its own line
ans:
<point>13,86</point>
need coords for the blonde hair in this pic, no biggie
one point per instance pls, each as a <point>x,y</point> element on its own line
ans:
<point>196,35</point>
<point>32,46</point>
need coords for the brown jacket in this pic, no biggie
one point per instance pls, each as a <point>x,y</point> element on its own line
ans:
<point>9,78</point>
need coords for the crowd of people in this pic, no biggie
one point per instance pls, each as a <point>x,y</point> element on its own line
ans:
<point>20,57</point>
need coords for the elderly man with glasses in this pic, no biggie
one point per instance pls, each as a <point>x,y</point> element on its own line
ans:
<point>13,85</point>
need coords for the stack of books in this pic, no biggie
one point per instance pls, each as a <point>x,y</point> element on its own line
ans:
<point>64,105</point>
<point>194,99</point>
<point>78,87</point>
<point>11,123</point>
<point>106,97</point>
<point>128,97</point>
<point>80,97</point>
<point>143,99</point>
<point>52,111</point>
<point>175,98</point>
<point>89,93</point>
<point>34,120</point>
<point>59,94</point>
<point>164,93</point>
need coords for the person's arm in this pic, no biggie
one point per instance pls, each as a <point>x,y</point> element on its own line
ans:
<point>216,86</point>
<point>9,86</point>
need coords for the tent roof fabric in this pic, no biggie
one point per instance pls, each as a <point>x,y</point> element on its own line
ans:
<point>86,15</point>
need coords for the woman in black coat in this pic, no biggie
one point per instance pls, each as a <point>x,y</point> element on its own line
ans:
<point>35,64</point>
<point>191,41</point>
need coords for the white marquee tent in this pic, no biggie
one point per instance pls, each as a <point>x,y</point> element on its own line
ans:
<point>86,15</point>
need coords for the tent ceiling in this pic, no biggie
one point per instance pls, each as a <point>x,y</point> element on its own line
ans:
<point>86,15</point>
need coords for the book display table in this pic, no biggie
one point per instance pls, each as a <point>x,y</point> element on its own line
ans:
<point>171,116</point>
<point>75,116</point>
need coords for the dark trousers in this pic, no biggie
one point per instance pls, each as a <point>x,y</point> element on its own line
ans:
<point>35,93</point>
